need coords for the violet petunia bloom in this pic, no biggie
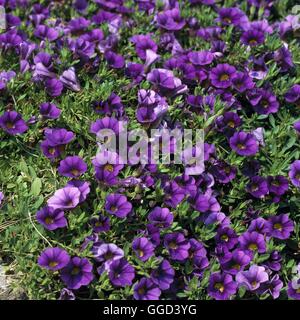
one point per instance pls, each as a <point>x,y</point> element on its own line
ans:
<point>293,290</point>
<point>114,60</point>
<point>112,105</point>
<point>121,273</point>
<point>242,82</point>
<point>146,289</point>
<point>69,80</point>
<point>278,185</point>
<point>177,245</point>
<point>163,275</point>
<point>253,37</point>
<point>259,225</point>
<point>238,261</point>
<point>293,94</point>
<point>49,111</point>
<point>65,199</point>
<point>234,16</point>
<point>221,286</point>
<point>227,237</point>
<point>51,219</point>
<point>244,144</point>
<point>222,75</point>
<point>294,173</point>
<point>296,126</point>
<point>252,278</point>
<point>165,81</point>
<point>272,287</point>
<point>77,273</point>
<point>58,137</point>
<point>258,187</point>
<point>252,241</point>
<point>12,123</point>
<point>161,217</point>
<point>53,259</point>
<point>5,77</point>
<point>107,124</point>
<point>72,167</point>
<point>201,58</point>
<point>142,44</point>
<point>66,294</point>
<point>54,87</point>
<point>100,223</point>
<point>280,226</point>
<point>1,197</point>
<point>117,205</point>
<point>106,253</point>
<point>44,32</point>
<point>143,248</point>
<point>170,20</point>
<point>263,101</point>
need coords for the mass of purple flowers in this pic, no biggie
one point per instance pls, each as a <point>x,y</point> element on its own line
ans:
<point>69,69</point>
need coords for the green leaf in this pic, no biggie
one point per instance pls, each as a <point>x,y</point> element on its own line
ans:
<point>36,187</point>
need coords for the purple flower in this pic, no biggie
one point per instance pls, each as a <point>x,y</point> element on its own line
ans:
<point>65,198</point>
<point>114,60</point>
<point>51,219</point>
<point>222,75</point>
<point>69,80</point>
<point>49,111</point>
<point>142,44</point>
<point>72,167</point>
<point>100,223</point>
<point>117,205</point>
<point>170,20</point>
<point>106,253</point>
<point>252,278</point>
<point>272,287</point>
<point>143,248</point>
<point>78,273</point>
<point>238,261</point>
<point>44,32</point>
<point>259,225</point>
<point>12,123</point>
<point>82,186</point>
<point>242,82</point>
<point>5,76</point>
<point>58,137</point>
<point>177,245</point>
<point>278,185</point>
<point>280,226</point>
<point>293,290</point>
<point>258,187</point>
<point>173,194</point>
<point>121,273</point>
<point>53,259</point>
<point>161,217</point>
<point>297,126</point>
<point>146,289</point>
<point>66,294</point>
<point>294,173</point>
<point>221,286</point>
<point>253,37</point>
<point>163,275</point>
<point>201,58</point>
<point>227,237</point>
<point>235,16</point>
<point>106,124</point>
<point>112,105</point>
<point>1,197</point>
<point>54,87</point>
<point>264,102</point>
<point>252,241</point>
<point>293,94</point>
<point>244,143</point>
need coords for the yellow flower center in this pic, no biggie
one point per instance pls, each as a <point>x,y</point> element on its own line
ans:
<point>219,286</point>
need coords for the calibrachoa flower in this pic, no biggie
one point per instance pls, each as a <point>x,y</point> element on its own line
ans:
<point>280,226</point>
<point>244,144</point>
<point>12,123</point>
<point>221,286</point>
<point>294,173</point>
<point>252,241</point>
<point>121,273</point>
<point>161,217</point>
<point>117,205</point>
<point>222,75</point>
<point>107,252</point>
<point>143,248</point>
<point>65,198</point>
<point>177,245</point>
<point>146,289</point>
<point>253,277</point>
<point>49,111</point>
<point>53,259</point>
<point>72,167</point>
<point>51,219</point>
<point>77,273</point>
<point>163,275</point>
